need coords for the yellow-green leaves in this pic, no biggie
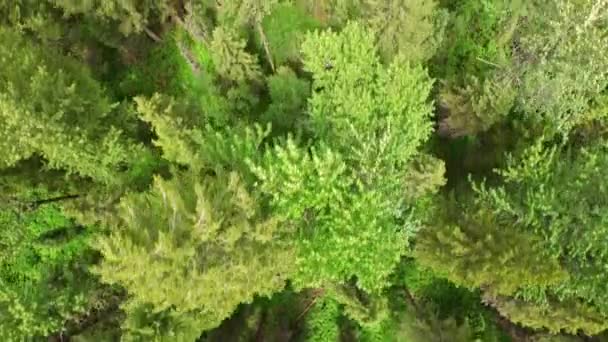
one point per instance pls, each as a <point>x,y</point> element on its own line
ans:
<point>195,247</point>
<point>345,194</point>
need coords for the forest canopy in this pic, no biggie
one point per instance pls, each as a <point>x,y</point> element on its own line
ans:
<point>304,170</point>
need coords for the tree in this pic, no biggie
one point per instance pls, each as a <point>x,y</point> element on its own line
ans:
<point>412,28</point>
<point>552,199</point>
<point>133,16</point>
<point>288,95</point>
<point>553,88</point>
<point>202,229</point>
<point>322,321</point>
<point>43,271</point>
<point>570,316</point>
<point>344,194</point>
<point>51,107</point>
<point>480,252</point>
<point>539,60</point>
<point>284,31</point>
<point>193,248</point>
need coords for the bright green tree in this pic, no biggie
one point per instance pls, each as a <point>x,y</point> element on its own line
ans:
<point>345,194</point>
<point>44,280</point>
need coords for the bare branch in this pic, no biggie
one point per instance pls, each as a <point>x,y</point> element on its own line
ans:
<point>152,35</point>
<point>265,43</point>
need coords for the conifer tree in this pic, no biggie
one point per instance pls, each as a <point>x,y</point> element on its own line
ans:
<point>412,28</point>
<point>201,230</point>
<point>479,252</point>
<point>133,16</point>
<point>346,196</point>
<point>551,204</point>
<point>51,107</point>
<point>534,63</point>
<point>193,248</point>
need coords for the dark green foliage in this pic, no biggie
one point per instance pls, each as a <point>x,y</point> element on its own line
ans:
<point>288,95</point>
<point>43,271</point>
<point>178,67</point>
<point>285,29</point>
<point>132,15</point>
<point>477,37</point>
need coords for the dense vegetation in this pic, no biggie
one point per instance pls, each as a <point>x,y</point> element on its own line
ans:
<point>304,170</point>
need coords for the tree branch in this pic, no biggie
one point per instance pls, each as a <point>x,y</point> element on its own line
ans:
<point>152,35</point>
<point>258,25</point>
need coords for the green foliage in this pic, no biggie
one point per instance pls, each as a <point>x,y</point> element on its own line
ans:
<point>345,200</point>
<point>322,321</point>
<point>359,104</point>
<point>288,95</point>
<point>43,95</point>
<point>538,60</point>
<point>555,90</point>
<point>32,15</point>
<point>43,276</point>
<point>179,67</point>
<point>243,13</point>
<point>517,258</point>
<point>479,32</point>
<point>412,28</point>
<point>188,139</point>
<point>132,15</point>
<point>555,194</point>
<point>442,305</point>
<point>285,30</point>
<point>568,316</point>
<point>230,58</point>
<point>477,106</point>
<point>269,170</point>
<point>203,234</point>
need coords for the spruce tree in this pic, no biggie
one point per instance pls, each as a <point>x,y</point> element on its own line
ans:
<point>193,248</point>
<point>550,203</point>
<point>51,107</point>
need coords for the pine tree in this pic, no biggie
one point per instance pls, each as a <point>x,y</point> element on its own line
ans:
<point>193,248</point>
<point>555,90</point>
<point>555,194</point>
<point>133,16</point>
<point>534,63</point>
<point>480,252</point>
<point>231,60</point>
<point>52,108</point>
<point>201,230</point>
<point>412,28</point>
<point>570,316</point>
